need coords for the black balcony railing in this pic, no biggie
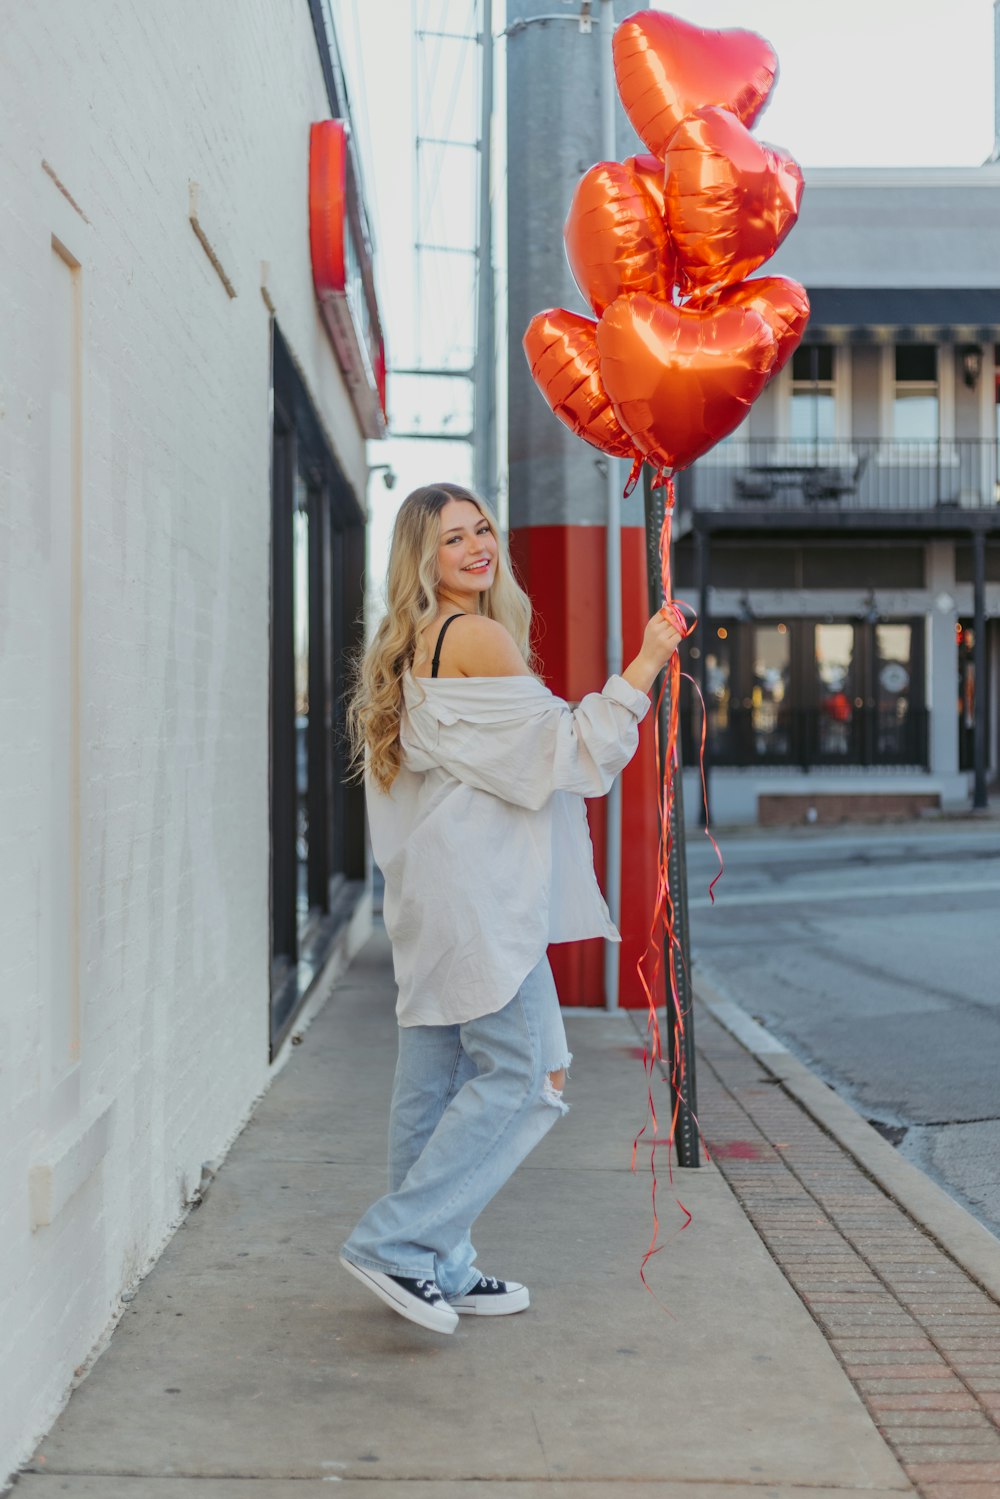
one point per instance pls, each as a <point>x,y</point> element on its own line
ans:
<point>861,474</point>
<point>807,738</point>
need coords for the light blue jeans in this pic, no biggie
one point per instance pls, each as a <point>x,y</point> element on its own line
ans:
<point>469,1102</point>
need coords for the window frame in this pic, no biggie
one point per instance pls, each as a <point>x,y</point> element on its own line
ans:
<point>842,373</point>
<point>336,860</point>
<point>946,400</point>
<point>920,387</point>
<point>801,705</point>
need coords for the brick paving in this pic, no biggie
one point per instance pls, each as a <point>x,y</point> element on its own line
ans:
<point>919,1339</point>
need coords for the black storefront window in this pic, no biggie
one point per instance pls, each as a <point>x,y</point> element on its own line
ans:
<point>808,692</point>
<point>317,819</point>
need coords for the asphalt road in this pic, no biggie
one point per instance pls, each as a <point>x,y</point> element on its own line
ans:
<point>874,955</point>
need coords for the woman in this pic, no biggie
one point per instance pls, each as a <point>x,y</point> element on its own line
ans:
<point>475,776</point>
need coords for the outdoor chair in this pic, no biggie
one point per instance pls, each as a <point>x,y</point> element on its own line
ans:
<point>754,486</point>
<point>833,483</point>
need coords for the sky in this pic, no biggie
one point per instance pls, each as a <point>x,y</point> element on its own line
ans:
<point>861,83</point>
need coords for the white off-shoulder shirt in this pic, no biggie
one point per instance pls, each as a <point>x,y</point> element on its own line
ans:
<point>483,839</point>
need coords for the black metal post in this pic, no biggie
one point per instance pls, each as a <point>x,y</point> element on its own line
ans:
<point>688,1152</point>
<point>979,799</point>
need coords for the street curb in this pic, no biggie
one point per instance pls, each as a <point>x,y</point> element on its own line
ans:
<point>952,1227</point>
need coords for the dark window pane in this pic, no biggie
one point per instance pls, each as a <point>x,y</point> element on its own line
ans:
<point>963,563</point>
<point>685,564</point>
<point>916,362</point>
<point>752,567</point>
<point>813,362</point>
<point>836,566</point>
<point>300,638</point>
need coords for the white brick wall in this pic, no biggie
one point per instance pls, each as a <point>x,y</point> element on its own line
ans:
<point>127,103</point>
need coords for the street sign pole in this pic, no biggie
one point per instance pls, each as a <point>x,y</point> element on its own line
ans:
<point>680,1036</point>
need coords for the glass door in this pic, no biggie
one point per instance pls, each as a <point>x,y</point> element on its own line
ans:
<point>318,845</point>
<point>966,694</point>
<point>819,692</point>
<point>716,683</point>
<point>771,726</point>
<point>316,591</point>
<point>300,645</point>
<point>897,727</point>
<point>836,694</point>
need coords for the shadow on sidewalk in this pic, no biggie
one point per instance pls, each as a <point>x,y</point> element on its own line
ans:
<point>250,1358</point>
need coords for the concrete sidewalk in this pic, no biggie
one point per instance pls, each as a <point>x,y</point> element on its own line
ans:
<point>250,1366</point>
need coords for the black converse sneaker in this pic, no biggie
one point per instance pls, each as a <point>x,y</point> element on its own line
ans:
<point>492,1298</point>
<point>419,1300</point>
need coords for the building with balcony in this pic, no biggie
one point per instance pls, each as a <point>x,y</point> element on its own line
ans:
<point>844,542</point>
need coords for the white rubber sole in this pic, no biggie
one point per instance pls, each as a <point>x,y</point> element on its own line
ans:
<point>436,1319</point>
<point>493,1306</point>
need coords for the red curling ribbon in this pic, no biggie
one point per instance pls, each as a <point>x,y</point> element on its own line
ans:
<point>633,477</point>
<point>663,935</point>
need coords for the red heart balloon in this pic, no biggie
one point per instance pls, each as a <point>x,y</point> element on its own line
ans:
<point>616,240</point>
<point>730,200</point>
<point>680,380</point>
<point>649,170</point>
<point>666,69</point>
<point>781,302</point>
<point>561,349</point>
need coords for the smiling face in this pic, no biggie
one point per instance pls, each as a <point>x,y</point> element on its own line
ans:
<point>467,555</point>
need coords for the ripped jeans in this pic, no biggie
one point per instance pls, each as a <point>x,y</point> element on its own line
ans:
<point>469,1102</point>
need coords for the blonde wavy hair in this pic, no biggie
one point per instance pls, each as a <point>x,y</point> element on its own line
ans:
<point>375,705</point>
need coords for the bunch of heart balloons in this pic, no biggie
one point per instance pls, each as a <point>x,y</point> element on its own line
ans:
<point>661,246</point>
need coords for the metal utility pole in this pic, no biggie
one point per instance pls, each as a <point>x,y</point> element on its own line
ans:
<point>681,1051</point>
<point>553,111</point>
<point>484,368</point>
<point>562,115</point>
<point>613,564</point>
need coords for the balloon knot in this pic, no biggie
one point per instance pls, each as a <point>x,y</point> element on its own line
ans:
<point>665,480</point>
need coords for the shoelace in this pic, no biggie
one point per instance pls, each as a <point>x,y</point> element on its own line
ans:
<point>429,1290</point>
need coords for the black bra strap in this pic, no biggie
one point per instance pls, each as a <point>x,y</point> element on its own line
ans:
<point>437,649</point>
